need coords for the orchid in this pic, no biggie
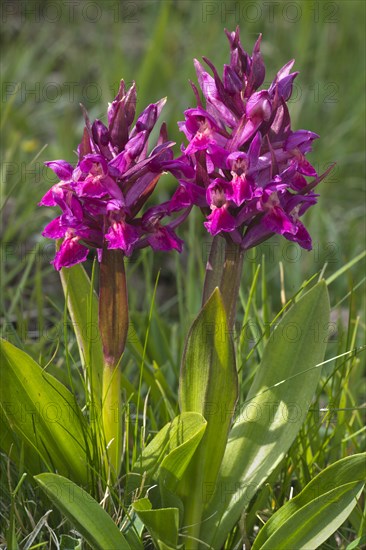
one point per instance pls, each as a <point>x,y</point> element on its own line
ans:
<point>100,200</point>
<point>115,175</point>
<point>133,455</point>
<point>250,167</point>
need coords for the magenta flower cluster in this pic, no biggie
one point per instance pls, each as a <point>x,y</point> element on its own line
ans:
<point>115,175</point>
<point>250,168</point>
<point>243,166</point>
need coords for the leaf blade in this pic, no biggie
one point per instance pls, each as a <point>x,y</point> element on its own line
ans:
<point>209,381</point>
<point>345,472</point>
<point>308,528</point>
<point>83,511</point>
<point>163,523</point>
<point>43,412</point>
<point>266,427</point>
<point>82,303</point>
<point>169,453</point>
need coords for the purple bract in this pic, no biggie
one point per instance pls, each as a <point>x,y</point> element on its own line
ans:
<point>250,168</point>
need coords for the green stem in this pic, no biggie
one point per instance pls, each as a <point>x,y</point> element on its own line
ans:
<point>112,419</point>
<point>113,326</point>
<point>214,268</point>
<point>224,273</point>
<point>230,280</point>
<point>192,499</point>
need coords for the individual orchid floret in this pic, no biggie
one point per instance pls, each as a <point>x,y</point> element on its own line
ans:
<point>250,167</point>
<point>115,174</point>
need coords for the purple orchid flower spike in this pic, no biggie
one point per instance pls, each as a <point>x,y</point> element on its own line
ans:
<point>249,166</point>
<point>115,175</point>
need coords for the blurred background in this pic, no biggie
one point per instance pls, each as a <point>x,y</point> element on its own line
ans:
<point>56,55</point>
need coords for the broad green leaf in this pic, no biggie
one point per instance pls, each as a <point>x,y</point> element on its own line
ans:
<point>70,543</point>
<point>82,303</point>
<point>273,412</point>
<point>311,517</point>
<point>209,384</point>
<point>43,413</point>
<point>133,539</point>
<point>308,528</point>
<point>85,513</point>
<point>132,530</point>
<point>168,497</point>
<point>16,448</point>
<point>162,524</point>
<point>163,546</point>
<point>169,453</point>
<point>176,461</point>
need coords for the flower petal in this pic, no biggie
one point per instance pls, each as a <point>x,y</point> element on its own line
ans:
<point>54,230</point>
<point>61,168</point>
<point>71,253</point>
<point>276,220</point>
<point>301,236</point>
<point>122,235</point>
<point>240,190</point>
<point>164,238</point>
<point>48,198</point>
<point>220,220</point>
<point>298,139</point>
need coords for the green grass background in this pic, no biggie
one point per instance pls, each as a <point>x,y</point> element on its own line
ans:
<point>57,55</point>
